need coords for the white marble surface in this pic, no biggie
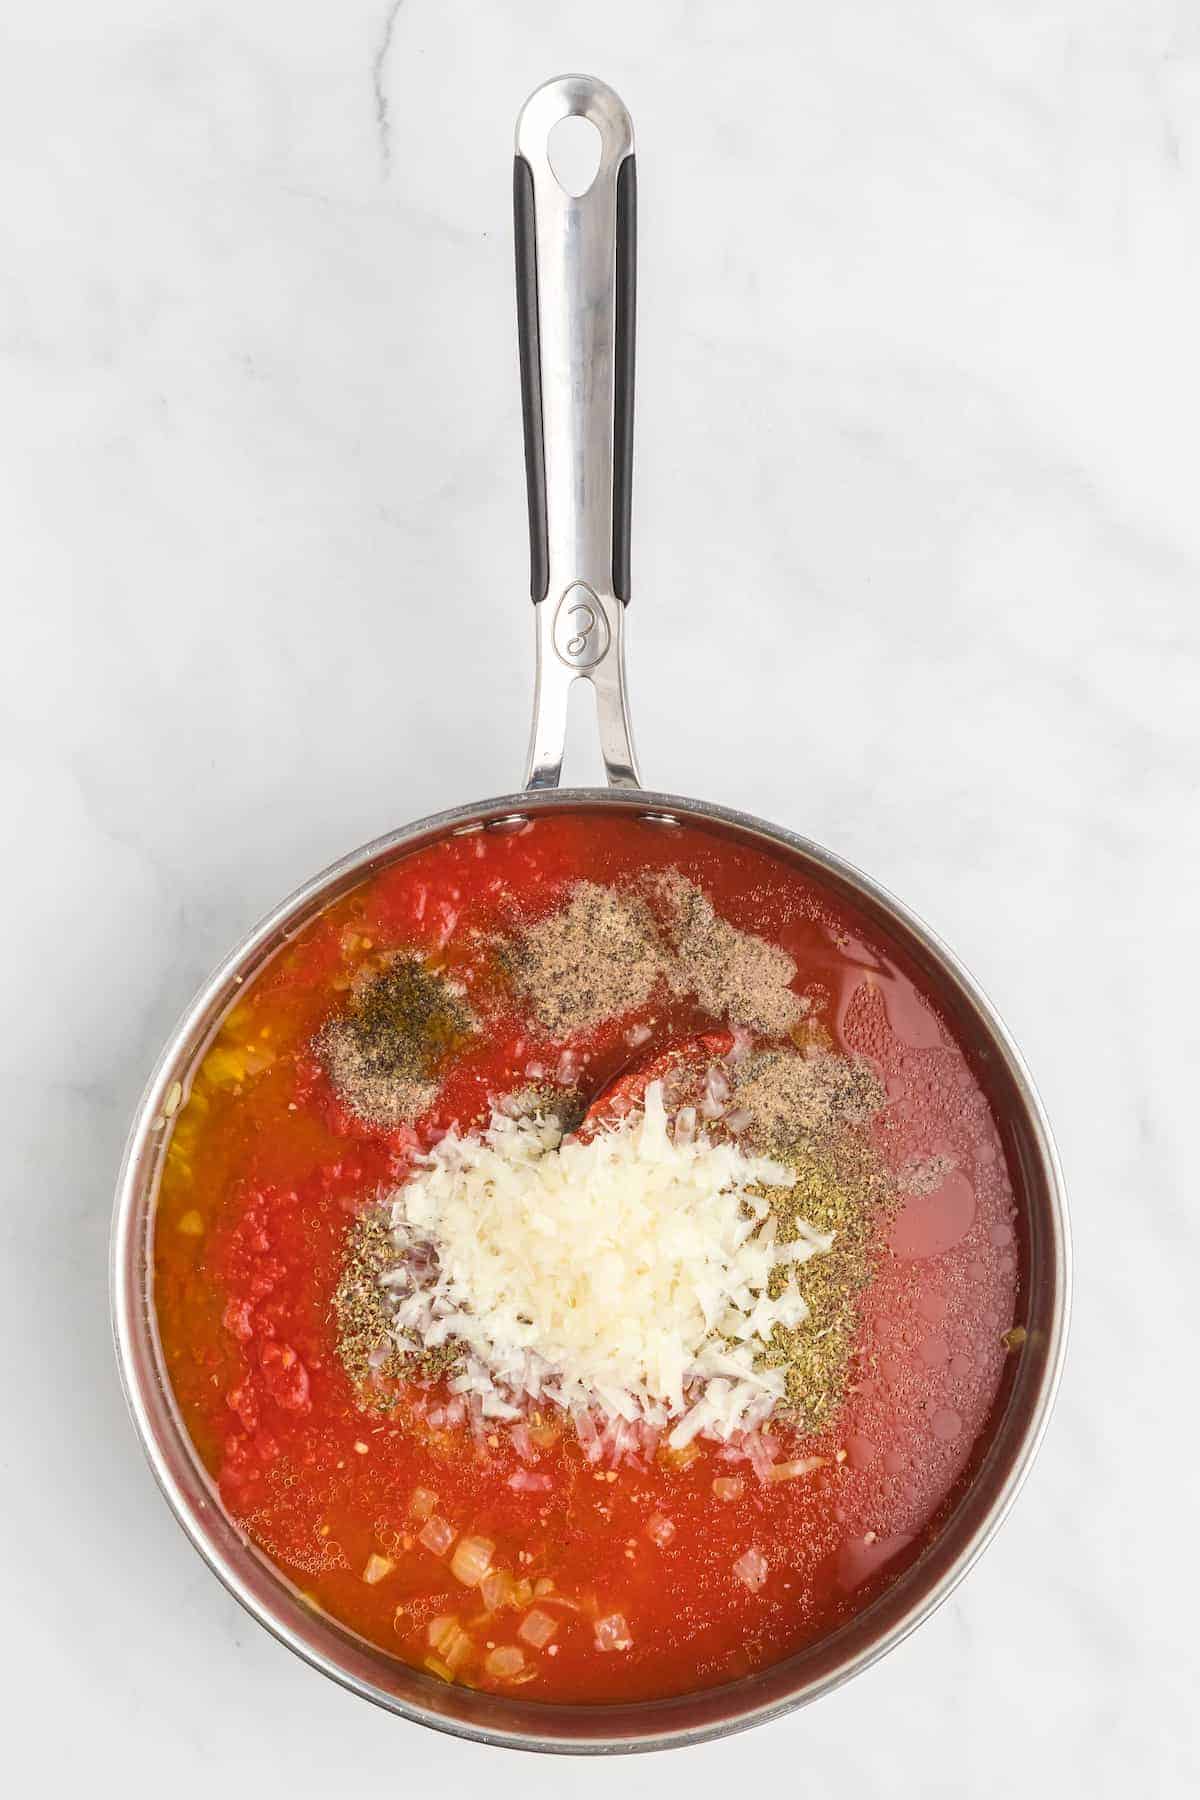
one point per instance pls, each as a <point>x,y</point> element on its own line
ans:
<point>916,557</point>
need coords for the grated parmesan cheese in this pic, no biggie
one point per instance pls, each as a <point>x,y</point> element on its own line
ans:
<point>624,1277</point>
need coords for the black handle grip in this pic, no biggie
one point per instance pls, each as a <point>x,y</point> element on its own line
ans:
<point>531,376</point>
<point>623,369</point>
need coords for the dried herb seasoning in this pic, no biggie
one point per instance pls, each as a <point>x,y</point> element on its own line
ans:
<point>361,1313</point>
<point>366,1345</point>
<point>809,1111</point>
<point>595,957</point>
<point>841,1187</point>
<point>403,1024</point>
<point>605,950</point>
<point>733,974</point>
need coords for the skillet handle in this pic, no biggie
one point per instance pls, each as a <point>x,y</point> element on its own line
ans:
<point>576,285</point>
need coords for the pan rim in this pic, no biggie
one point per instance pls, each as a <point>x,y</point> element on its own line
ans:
<point>132,1309</point>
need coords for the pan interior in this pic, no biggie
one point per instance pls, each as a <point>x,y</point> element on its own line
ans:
<point>1001,1456</point>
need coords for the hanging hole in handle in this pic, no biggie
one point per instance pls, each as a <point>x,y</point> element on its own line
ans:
<point>573,150</point>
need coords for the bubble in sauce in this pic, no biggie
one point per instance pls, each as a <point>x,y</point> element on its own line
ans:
<point>946,1424</point>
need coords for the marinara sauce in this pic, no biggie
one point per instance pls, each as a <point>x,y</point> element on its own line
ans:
<point>266,1171</point>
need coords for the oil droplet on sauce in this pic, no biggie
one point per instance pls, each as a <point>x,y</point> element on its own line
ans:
<point>905,1015</point>
<point>910,1019</point>
<point>931,1223</point>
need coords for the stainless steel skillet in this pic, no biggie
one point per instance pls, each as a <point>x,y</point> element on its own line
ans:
<point>575,282</point>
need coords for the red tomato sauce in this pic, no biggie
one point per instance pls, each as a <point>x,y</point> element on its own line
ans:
<point>266,1171</point>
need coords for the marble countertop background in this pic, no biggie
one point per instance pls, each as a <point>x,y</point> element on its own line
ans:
<point>916,549</point>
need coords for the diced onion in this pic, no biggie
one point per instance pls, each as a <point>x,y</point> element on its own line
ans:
<point>685,1125</point>
<point>504,1662</point>
<point>803,1465</point>
<point>660,1530</point>
<point>537,1628</point>
<point>717,1083</point>
<point>522,1443</point>
<point>530,1481</point>
<point>422,1504</point>
<point>377,1567</point>
<point>728,1487</point>
<point>612,1633</point>
<point>716,1093</point>
<point>450,1643</point>
<point>472,1560</point>
<point>751,1568</point>
<point>437,1536</point>
<point>761,1453</point>
<point>496,1588</point>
